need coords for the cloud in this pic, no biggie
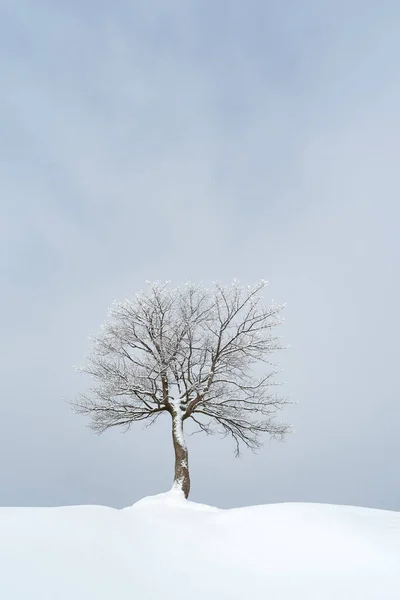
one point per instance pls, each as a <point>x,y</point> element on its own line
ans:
<point>144,142</point>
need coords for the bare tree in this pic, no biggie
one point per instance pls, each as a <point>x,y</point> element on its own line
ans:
<point>193,353</point>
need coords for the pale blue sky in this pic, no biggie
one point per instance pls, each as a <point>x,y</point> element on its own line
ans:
<point>201,140</point>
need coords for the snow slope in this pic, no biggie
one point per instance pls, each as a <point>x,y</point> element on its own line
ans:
<point>165,547</point>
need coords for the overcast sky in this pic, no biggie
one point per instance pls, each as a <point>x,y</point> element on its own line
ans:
<point>201,140</point>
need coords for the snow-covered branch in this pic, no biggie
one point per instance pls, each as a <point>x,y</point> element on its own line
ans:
<point>193,352</point>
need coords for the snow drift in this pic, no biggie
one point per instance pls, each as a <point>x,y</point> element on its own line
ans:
<point>165,547</point>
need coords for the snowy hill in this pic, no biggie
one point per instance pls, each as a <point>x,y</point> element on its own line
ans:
<point>165,547</point>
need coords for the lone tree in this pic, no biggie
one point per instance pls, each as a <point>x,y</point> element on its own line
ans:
<point>193,353</point>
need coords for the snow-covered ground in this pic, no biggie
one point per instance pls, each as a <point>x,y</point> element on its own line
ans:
<point>165,547</point>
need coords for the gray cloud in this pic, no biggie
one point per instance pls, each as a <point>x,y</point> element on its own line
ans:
<point>143,142</point>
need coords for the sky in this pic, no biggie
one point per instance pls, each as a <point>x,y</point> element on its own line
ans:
<point>201,140</point>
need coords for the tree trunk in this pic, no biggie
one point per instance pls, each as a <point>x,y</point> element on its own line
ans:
<point>182,479</point>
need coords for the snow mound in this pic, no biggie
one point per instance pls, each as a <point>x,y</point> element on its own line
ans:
<point>165,547</point>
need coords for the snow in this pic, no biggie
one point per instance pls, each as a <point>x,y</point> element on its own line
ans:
<point>165,547</point>
<point>178,426</point>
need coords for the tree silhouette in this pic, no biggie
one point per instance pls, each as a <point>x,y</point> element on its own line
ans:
<point>193,353</point>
